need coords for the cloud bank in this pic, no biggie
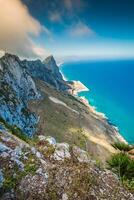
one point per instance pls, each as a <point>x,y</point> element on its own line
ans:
<point>17,27</point>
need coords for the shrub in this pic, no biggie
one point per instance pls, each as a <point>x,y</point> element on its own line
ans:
<point>123,166</point>
<point>122,146</point>
<point>119,163</point>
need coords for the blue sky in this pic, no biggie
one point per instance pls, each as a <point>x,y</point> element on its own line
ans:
<point>79,28</point>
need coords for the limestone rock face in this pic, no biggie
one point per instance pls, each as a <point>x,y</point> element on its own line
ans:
<point>47,71</point>
<point>17,77</point>
<point>16,88</point>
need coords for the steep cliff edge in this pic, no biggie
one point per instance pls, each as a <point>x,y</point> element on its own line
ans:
<point>16,89</point>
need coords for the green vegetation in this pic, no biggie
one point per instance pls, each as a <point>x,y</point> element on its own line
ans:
<point>14,130</point>
<point>123,146</point>
<point>30,169</point>
<point>9,183</point>
<point>123,165</point>
<point>17,131</point>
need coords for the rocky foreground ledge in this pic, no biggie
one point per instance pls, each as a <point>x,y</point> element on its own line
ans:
<point>44,169</point>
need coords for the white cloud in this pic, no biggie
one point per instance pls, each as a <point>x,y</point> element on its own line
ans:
<point>81,29</point>
<point>55,16</point>
<point>16,28</point>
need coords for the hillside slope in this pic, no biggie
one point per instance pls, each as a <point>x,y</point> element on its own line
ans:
<point>68,119</point>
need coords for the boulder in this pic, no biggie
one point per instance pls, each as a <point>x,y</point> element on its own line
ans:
<point>61,151</point>
<point>81,155</point>
<point>49,139</point>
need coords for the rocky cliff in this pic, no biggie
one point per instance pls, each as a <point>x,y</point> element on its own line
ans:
<point>16,88</point>
<point>47,71</point>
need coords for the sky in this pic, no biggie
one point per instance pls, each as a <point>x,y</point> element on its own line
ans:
<point>89,29</point>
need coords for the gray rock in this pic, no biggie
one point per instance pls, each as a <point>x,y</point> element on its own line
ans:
<point>16,88</point>
<point>64,196</point>
<point>38,154</point>
<point>61,151</point>
<point>49,139</point>
<point>81,155</point>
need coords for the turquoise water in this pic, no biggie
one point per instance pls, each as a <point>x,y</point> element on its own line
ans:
<point>111,85</point>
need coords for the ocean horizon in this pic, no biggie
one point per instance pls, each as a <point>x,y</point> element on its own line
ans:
<point>111,89</point>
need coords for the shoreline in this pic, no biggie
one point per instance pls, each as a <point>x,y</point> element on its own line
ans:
<point>80,87</point>
<point>77,87</point>
<point>83,99</point>
<point>102,115</point>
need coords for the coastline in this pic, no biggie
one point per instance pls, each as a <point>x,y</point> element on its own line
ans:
<point>78,87</point>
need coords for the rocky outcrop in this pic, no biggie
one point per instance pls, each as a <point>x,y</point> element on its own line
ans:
<point>16,88</point>
<point>47,71</point>
<point>30,171</point>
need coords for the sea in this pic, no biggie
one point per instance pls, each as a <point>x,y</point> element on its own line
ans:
<point>111,89</point>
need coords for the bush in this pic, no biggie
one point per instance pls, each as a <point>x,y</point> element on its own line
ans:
<point>122,146</point>
<point>123,166</point>
<point>119,163</point>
